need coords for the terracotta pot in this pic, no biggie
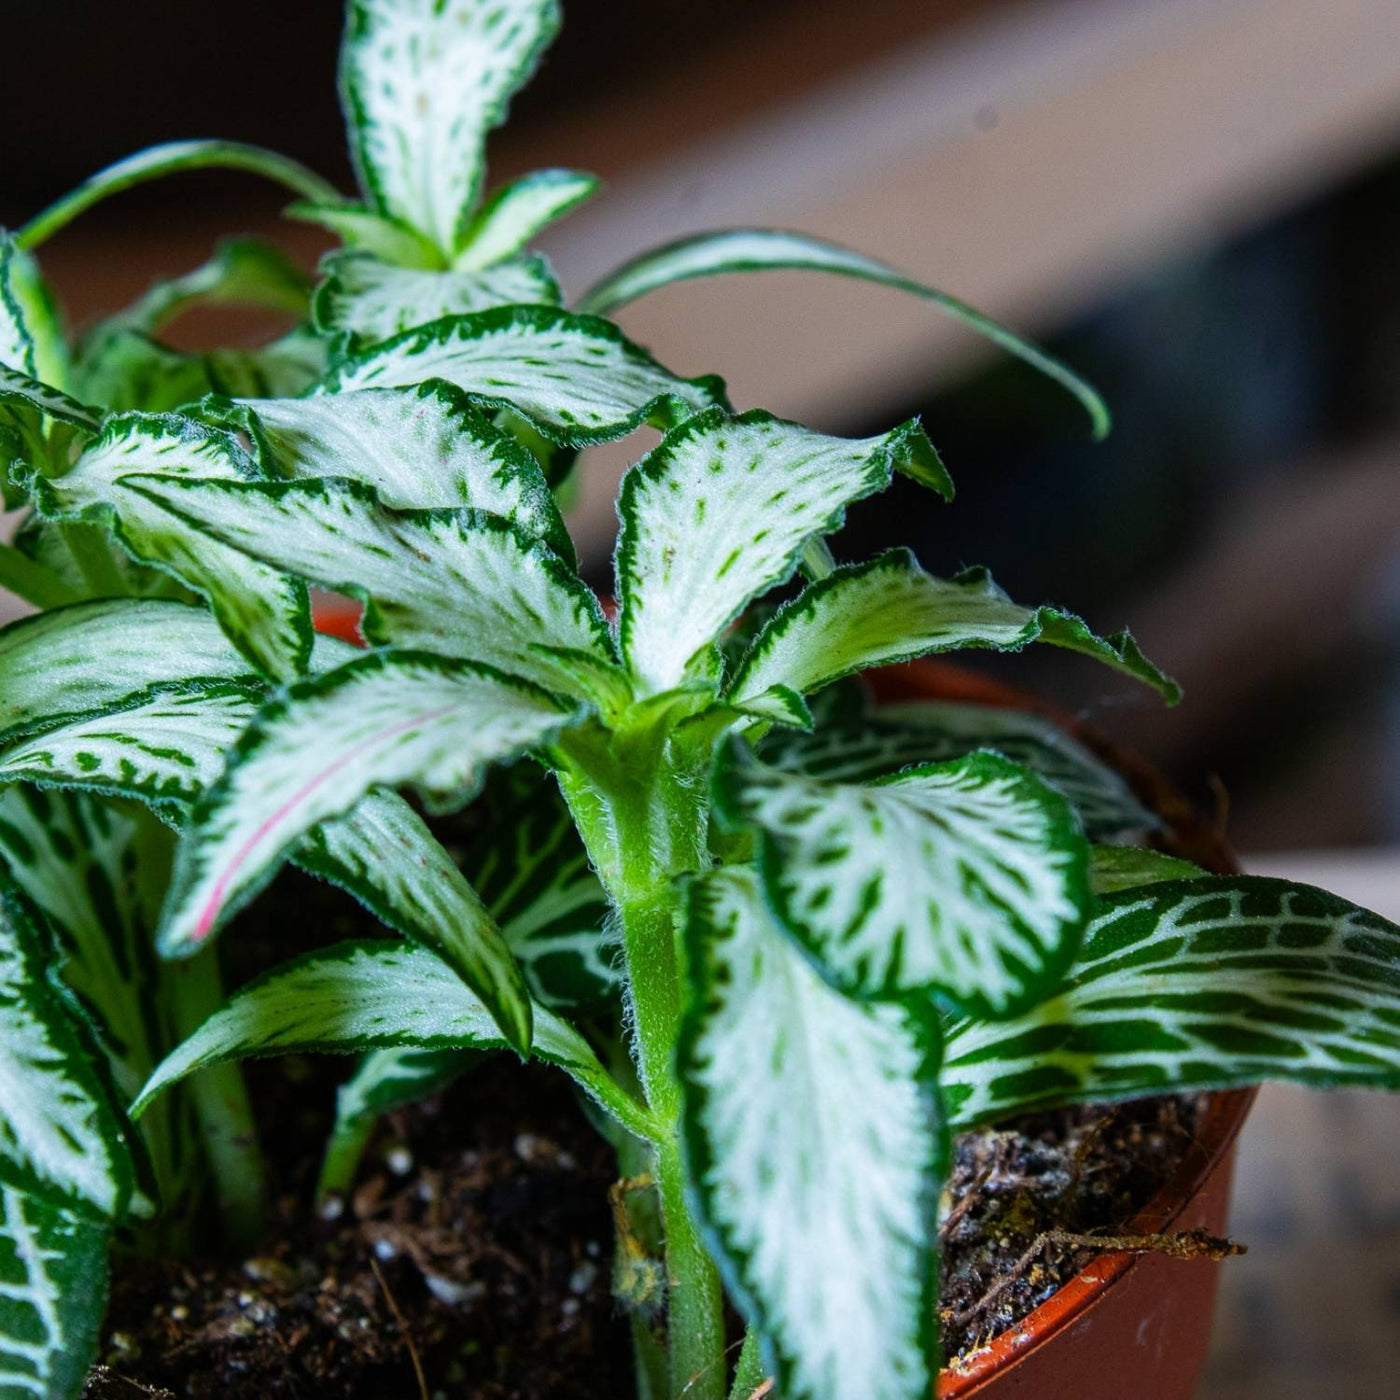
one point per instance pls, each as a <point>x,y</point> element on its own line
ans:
<point>1127,1324</point>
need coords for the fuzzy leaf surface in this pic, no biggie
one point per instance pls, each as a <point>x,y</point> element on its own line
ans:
<point>423,81</point>
<point>264,613</point>
<point>967,877</point>
<point>773,250</point>
<point>384,720</point>
<point>888,609</point>
<point>1196,984</point>
<point>833,1155</point>
<point>578,379</point>
<point>373,300</point>
<point>459,582</point>
<point>862,749</point>
<point>366,995</point>
<point>719,512</point>
<point>506,223</point>
<point>53,1291</point>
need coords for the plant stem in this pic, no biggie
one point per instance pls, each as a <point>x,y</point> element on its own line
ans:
<point>750,1373</point>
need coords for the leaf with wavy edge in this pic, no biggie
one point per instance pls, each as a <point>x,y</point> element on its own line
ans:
<point>422,82</point>
<point>373,300</point>
<point>53,1291</point>
<point>388,719</point>
<point>1196,984</point>
<point>578,379</point>
<point>772,250</point>
<point>418,447</point>
<point>721,510</point>
<point>264,613</point>
<point>516,212</point>
<point>967,878</point>
<point>457,582</point>
<point>59,1135</point>
<point>834,1154</point>
<point>365,995</point>
<point>888,609</point>
<point>864,747</point>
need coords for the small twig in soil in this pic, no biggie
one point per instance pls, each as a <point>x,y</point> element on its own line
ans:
<point>969,1198</point>
<point>1185,1244</point>
<point>403,1327</point>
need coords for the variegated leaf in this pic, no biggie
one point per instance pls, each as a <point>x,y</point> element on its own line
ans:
<point>359,227</point>
<point>16,342</point>
<point>372,300</point>
<point>720,511</point>
<point>771,250</point>
<point>506,223</point>
<point>365,995</point>
<point>578,379</point>
<point>423,81</point>
<point>60,1137</point>
<point>968,877</point>
<point>458,582</point>
<point>1196,984</point>
<point>53,1290</point>
<point>417,447</point>
<point>888,609</point>
<point>32,337</point>
<point>265,614</point>
<point>70,662</point>
<point>862,748</point>
<point>386,719</point>
<point>812,1133</point>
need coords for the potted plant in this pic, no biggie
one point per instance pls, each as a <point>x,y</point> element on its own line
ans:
<point>820,939</point>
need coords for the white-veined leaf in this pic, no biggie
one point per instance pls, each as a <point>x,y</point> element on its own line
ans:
<point>772,250</point>
<point>156,162</point>
<point>40,315</point>
<point>888,609</point>
<point>423,81</point>
<point>72,661</point>
<point>417,447</point>
<point>862,748</point>
<point>968,877</point>
<point>720,511</point>
<point>516,212</point>
<point>457,582</point>
<point>578,379</point>
<point>265,614</point>
<point>359,227</point>
<point>384,720</point>
<point>53,1291</point>
<point>816,1154</point>
<point>59,1135</point>
<point>21,393</point>
<point>16,340</point>
<point>373,300</point>
<point>1196,984</point>
<point>365,995</point>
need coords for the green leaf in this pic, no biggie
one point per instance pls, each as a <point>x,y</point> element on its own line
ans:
<point>719,512</point>
<point>769,250</point>
<point>419,447</point>
<point>281,368</point>
<point>59,1135</point>
<point>968,877</point>
<point>358,227</point>
<point>53,1291</point>
<point>861,748</point>
<point>366,995</point>
<point>387,719</point>
<point>888,609</point>
<point>1115,868</point>
<point>373,300</point>
<point>156,162</point>
<point>70,662</point>
<point>506,223</point>
<point>812,1133</point>
<point>16,341</point>
<point>265,614</point>
<point>423,81</point>
<point>383,854</point>
<point>36,583</point>
<point>129,371</point>
<point>29,319</point>
<point>458,582</point>
<point>532,871</point>
<point>1196,984</point>
<point>578,379</point>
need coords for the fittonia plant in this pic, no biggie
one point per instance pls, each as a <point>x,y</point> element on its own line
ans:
<point>823,938</point>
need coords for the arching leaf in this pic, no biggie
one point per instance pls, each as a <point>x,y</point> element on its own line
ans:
<point>359,227</point>
<point>506,223</point>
